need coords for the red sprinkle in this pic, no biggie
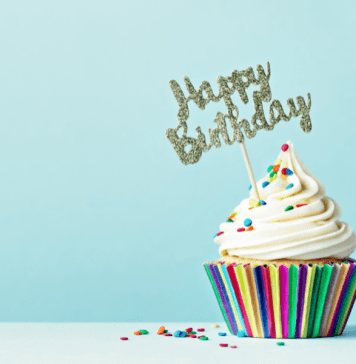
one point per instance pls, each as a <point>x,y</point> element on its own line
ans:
<point>239,230</point>
<point>189,329</point>
<point>224,345</point>
<point>218,234</point>
<point>192,336</point>
<point>285,147</point>
<point>233,347</point>
<point>123,338</point>
<point>284,171</point>
<point>200,330</point>
<point>302,204</point>
<point>167,334</point>
<point>201,336</point>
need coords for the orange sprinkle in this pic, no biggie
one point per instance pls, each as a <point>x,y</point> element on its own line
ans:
<point>250,228</point>
<point>137,333</point>
<point>276,168</point>
<point>161,330</point>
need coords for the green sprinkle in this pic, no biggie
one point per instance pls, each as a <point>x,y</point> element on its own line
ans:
<point>289,208</point>
<point>269,169</point>
<point>204,338</point>
<point>192,333</point>
<point>280,344</point>
<point>165,331</point>
<point>272,174</point>
<point>229,220</point>
<point>144,332</point>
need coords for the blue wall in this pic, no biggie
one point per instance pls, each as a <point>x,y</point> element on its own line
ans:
<point>99,219</point>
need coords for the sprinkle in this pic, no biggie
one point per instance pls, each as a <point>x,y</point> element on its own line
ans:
<point>189,329</point>
<point>233,347</point>
<point>280,344</point>
<point>192,333</point>
<point>289,208</point>
<point>265,184</point>
<point>123,338</point>
<point>240,334</point>
<point>204,338</point>
<point>253,202</point>
<point>285,147</point>
<point>167,334</point>
<point>229,220</point>
<point>289,172</point>
<point>263,202</point>
<point>250,228</point>
<point>276,168</point>
<point>250,187</point>
<point>272,174</point>
<point>165,331</point>
<point>247,222</point>
<point>214,325</point>
<point>239,230</point>
<point>302,204</point>
<point>200,330</point>
<point>182,334</point>
<point>192,336</point>
<point>273,178</point>
<point>289,186</point>
<point>224,345</point>
<point>233,214</point>
<point>137,333</point>
<point>161,330</point>
<point>144,332</point>
<point>284,171</point>
<point>222,334</point>
<point>201,336</point>
<point>218,234</point>
<point>269,169</point>
<point>278,161</point>
<point>177,333</point>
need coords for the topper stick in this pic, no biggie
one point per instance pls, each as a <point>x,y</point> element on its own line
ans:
<point>249,171</point>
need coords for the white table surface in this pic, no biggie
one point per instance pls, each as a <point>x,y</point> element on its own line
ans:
<point>53,343</point>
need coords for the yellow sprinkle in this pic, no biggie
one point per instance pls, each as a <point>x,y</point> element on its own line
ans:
<point>278,161</point>
<point>214,325</point>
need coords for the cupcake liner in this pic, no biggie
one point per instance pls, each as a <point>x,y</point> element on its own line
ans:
<point>267,301</point>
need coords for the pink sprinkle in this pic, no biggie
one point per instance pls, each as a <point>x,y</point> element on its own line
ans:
<point>193,336</point>
<point>240,229</point>
<point>189,329</point>
<point>284,171</point>
<point>218,234</point>
<point>201,336</point>
<point>285,147</point>
<point>224,345</point>
<point>167,334</point>
<point>123,338</point>
<point>200,330</point>
<point>302,204</point>
<point>233,347</point>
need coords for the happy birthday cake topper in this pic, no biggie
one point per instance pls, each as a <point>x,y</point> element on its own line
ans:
<point>227,87</point>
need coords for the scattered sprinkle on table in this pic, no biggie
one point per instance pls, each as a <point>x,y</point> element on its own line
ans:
<point>192,336</point>
<point>233,347</point>
<point>222,334</point>
<point>214,325</point>
<point>189,329</point>
<point>280,344</point>
<point>123,338</point>
<point>144,332</point>
<point>224,345</point>
<point>176,334</point>
<point>201,330</point>
<point>161,330</point>
<point>201,336</point>
<point>204,338</point>
<point>137,333</point>
<point>167,334</point>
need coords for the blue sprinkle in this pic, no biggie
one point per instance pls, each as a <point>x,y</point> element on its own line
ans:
<point>289,172</point>
<point>182,334</point>
<point>177,333</point>
<point>240,334</point>
<point>247,222</point>
<point>217,233</point>
<point>222,334</point>
<point>263,202</point>
<point>289,186</point>
<point>250,187</point>
<point>265,184</point>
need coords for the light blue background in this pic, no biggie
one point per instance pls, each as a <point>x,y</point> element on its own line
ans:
<point>99,219</point>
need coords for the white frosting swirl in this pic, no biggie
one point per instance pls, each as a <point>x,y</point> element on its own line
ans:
<point>307,232</point>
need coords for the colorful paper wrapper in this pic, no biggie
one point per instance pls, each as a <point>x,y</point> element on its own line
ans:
<point>280,302</point>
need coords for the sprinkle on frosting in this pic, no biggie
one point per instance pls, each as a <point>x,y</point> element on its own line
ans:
<point>250,228</point>
<point>302,204</point>
<point>276,167</point>
<point>272,174</point>
<point>220,233</point>
<point>240,230</point>
<point>248,222</point>
<point>289,186</point>
<point>285,147</point>
<point>289,172</point>
<point>269,169</point>
<point>263,202</point>
<point>265,184</point>
<point>289,208</point>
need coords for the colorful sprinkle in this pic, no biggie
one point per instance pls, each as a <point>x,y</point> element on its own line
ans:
<point>229,220</point>
<point>248,222</point>
<point>233,347</point>
<point>167,334</point>
<point>285,147</point>
<point>302,204</point>
<point>182,334</point>
<point>165,331</point>
<point>284,171</point>
<point>177,333</point>
<point>123,338</point>
<point>276,168</point>
<point>250,187</point>
<point>201,336</point>
<point>240,334</point>
<point>218,234</point>
<point>265,184</point>
<point>222,334</point>
<point>144,332</point>
<point>289,172</point>
<point>289,186</point>
<point>273,178</point>
<point>289,208</point>
<point>253,202</point>
<point>280,344</point>
<point>272,174</point>
<point>192,336</point>
<point>269,169</point>
<point>278,161</point>
<point>200,330</point>
<point>189,329</point>
<point>204,338</point>
<point>161,330</point>
<point>224,345</point>
<point>137,333</point>
<point>263,202</point>
<point>214,325</point>
<point>250,228</point>
<point>239,230</point>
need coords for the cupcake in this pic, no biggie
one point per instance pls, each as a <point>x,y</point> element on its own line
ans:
<point>285,269</point>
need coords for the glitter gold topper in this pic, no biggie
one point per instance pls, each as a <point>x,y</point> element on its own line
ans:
<point>227,86</point>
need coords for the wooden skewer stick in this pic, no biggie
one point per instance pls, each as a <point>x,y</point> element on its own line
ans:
<point>250,172</point>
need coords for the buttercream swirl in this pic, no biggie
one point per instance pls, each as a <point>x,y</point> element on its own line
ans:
<point>298,222</point>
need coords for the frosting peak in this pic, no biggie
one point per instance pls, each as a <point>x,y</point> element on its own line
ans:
<point>293,220</point>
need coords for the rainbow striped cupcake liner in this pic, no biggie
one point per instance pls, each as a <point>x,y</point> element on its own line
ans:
<point>280,302</point>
